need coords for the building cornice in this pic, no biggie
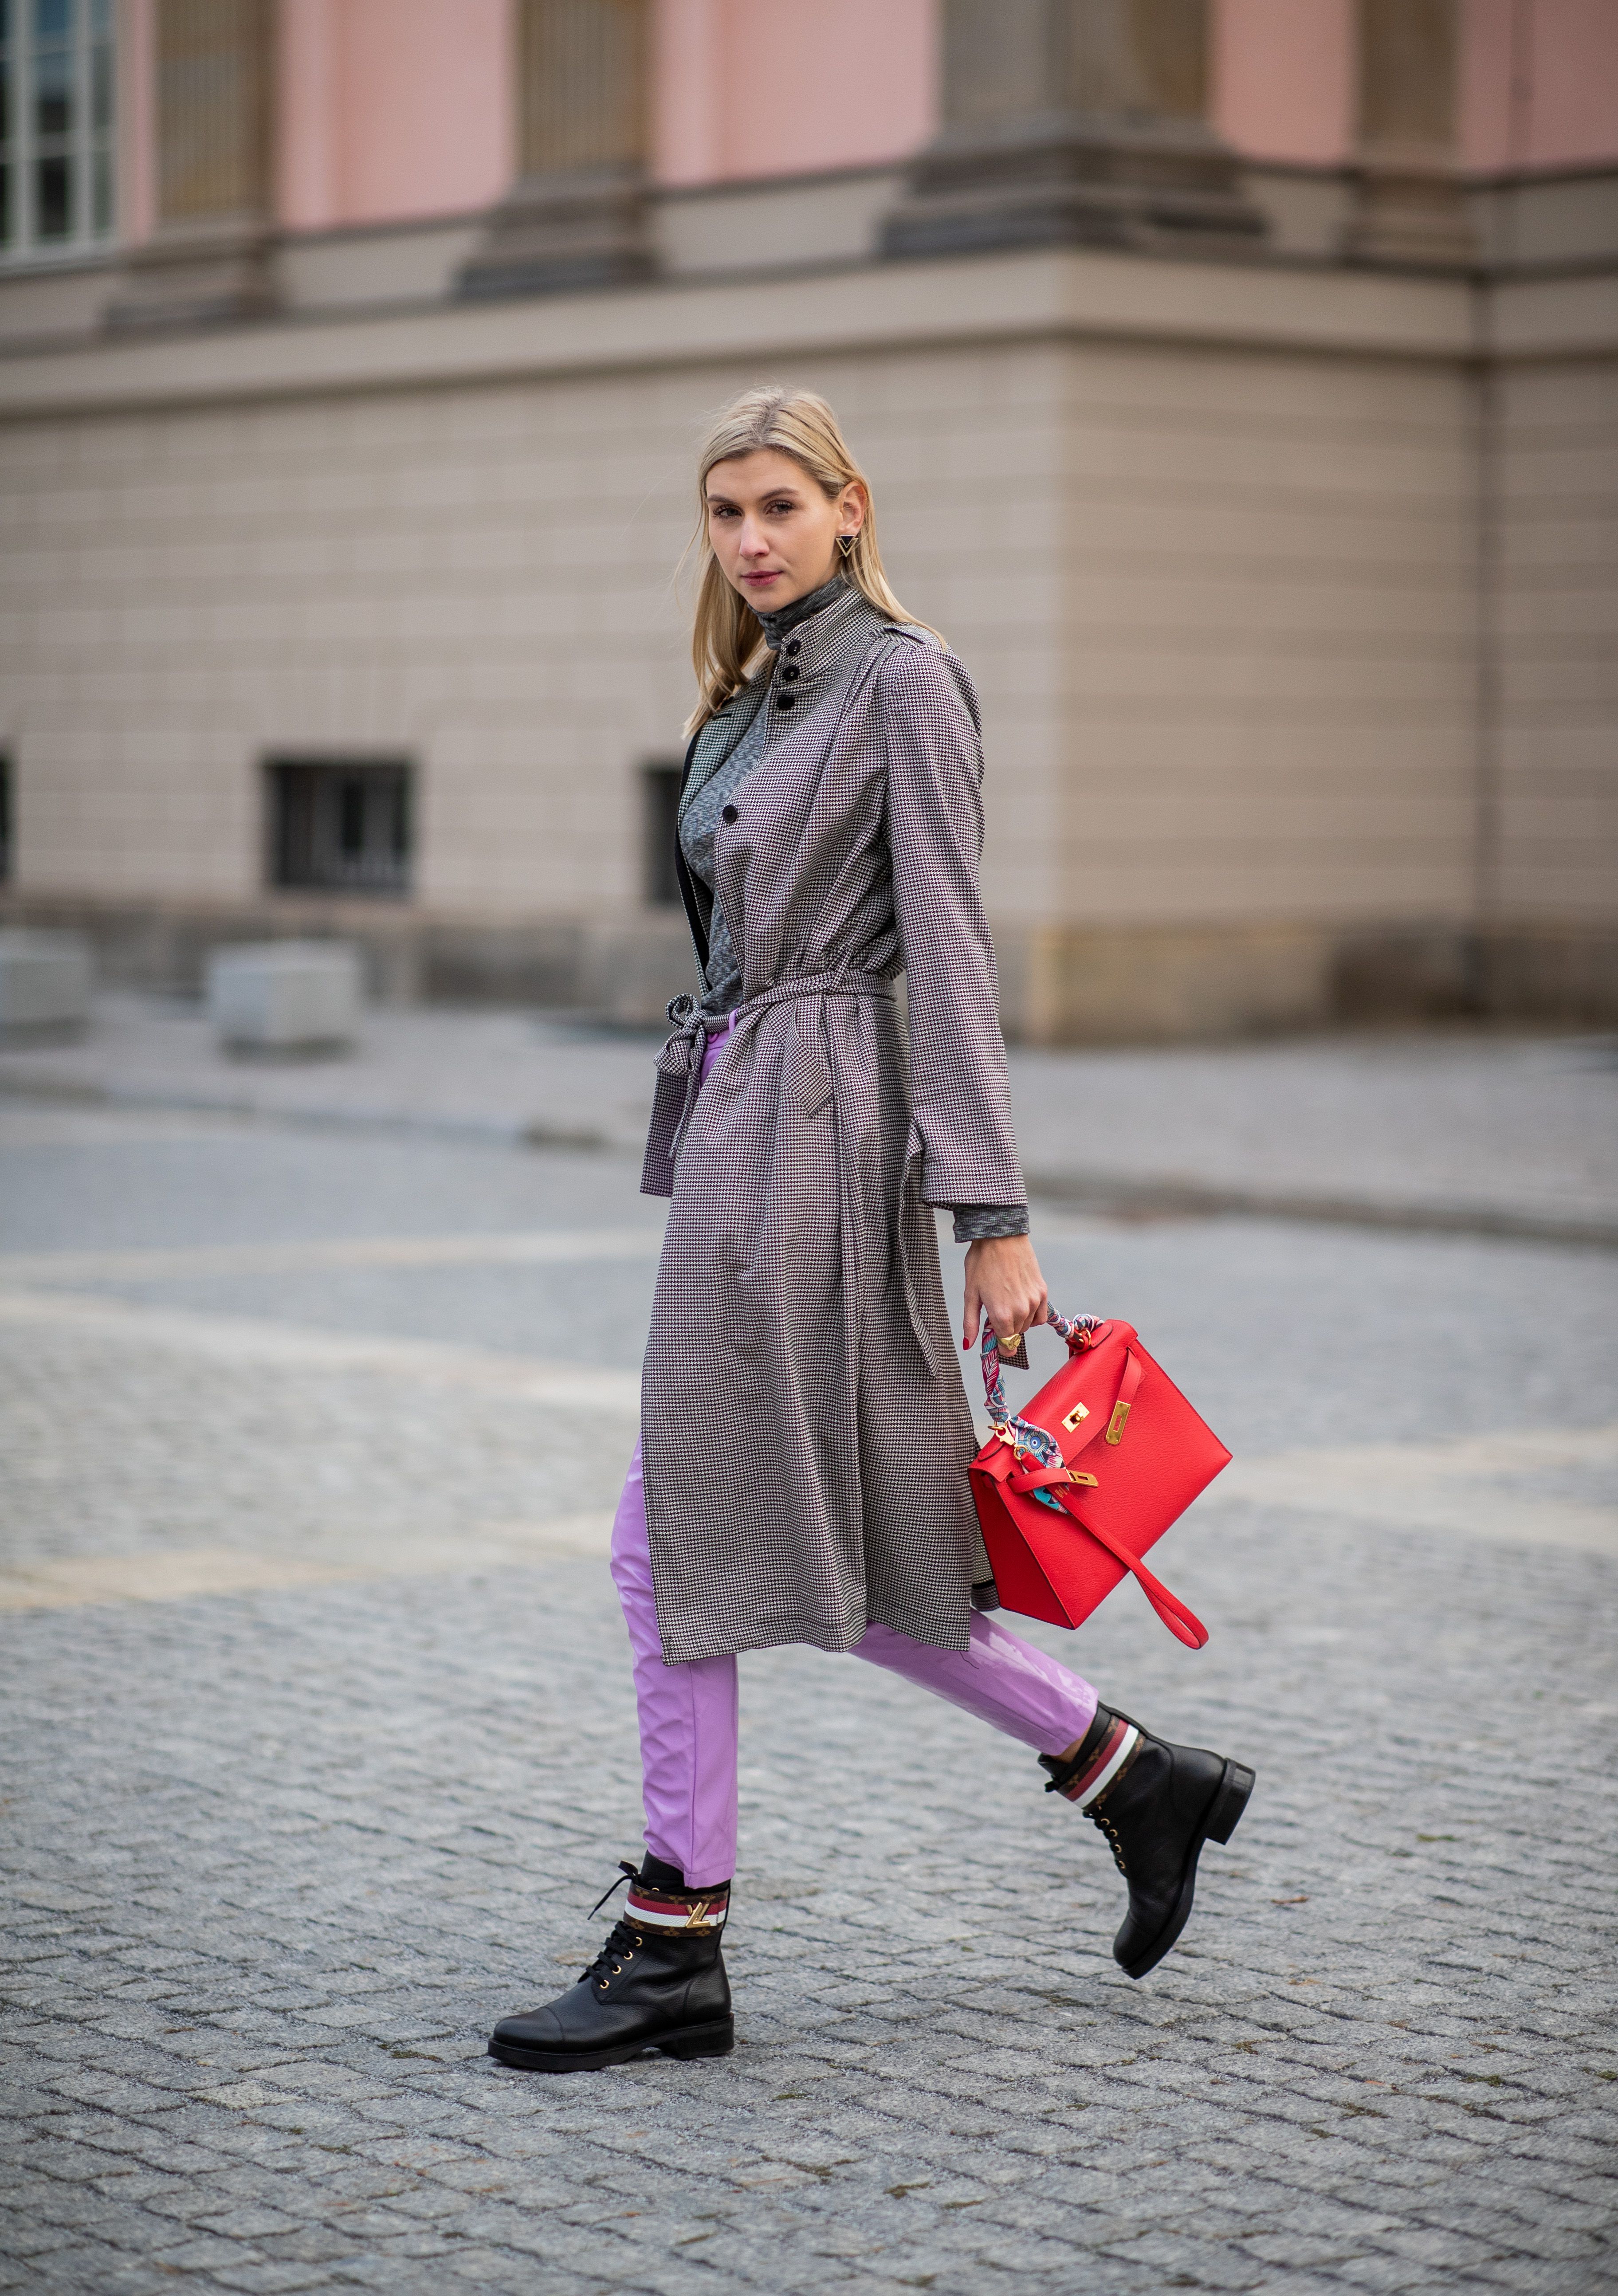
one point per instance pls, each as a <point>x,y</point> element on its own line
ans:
<point>1057,295</point>
<point>1570,314</point>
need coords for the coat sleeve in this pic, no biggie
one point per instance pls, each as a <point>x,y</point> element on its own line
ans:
<point>960,1102</point>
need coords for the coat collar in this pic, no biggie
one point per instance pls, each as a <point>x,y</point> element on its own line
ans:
<point>818,651</point>
<point>780,625</point>
<point>817,654</point>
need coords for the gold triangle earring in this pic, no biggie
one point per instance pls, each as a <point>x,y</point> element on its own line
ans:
<point>845,543</point>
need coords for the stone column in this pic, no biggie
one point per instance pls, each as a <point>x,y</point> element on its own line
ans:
<point>209,257</point>
<point>578,214</point>
<point>1073,121</point>
<point>1411,206</point>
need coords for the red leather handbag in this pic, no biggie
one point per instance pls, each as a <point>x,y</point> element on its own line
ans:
<point>1071,1491</point>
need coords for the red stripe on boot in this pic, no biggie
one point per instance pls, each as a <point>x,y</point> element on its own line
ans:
<point>700,1909</point>
<point>1079,1788</point>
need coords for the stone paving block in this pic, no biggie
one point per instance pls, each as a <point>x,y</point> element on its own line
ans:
<point>87,2273</point>
<point>243,2222</point>
<point>24,2237</point>
<point>488,2268</point>
<point>261,2276</point>
<point>316,2245</point>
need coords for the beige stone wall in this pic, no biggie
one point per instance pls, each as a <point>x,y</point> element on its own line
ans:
<point>1557,627</point>
<point>1216,606</point>
<point>1269,688</point>
<point>480,579</point>
<point>1208,538</point>
<point>475,578</point>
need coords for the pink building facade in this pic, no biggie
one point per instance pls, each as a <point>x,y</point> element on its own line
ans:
<point>401,111</point>
<point>1237,376</point>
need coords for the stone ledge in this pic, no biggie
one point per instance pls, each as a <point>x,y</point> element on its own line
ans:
<point>45,982</point>
<point>900,306</point>
<point>624,973</point>
<point>285,995</point>
<point>1060,984</point>
<point>1167,984</point>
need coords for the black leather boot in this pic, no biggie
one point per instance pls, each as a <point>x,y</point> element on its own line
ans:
<point>1156,1804</point>
<point>657,1988</point>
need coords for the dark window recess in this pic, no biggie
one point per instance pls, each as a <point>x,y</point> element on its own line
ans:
<point>54,197</point>
<point>661,787</point>
<point>6,832</point>
<point>340,828</point>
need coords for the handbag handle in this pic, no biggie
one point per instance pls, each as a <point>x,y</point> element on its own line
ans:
<point>1079,1333</point>
<point>1111,1429</point>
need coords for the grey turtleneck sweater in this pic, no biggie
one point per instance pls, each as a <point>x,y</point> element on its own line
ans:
<point>700,818</point>
<point>699,822</point>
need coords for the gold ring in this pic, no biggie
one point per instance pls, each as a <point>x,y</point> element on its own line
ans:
<point>1011,1339</point>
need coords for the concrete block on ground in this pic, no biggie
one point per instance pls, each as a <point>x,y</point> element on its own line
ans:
<point>285,995</point>
<point>46,979</point>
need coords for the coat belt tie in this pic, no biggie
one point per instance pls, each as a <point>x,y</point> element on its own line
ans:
<point>686,1049</point>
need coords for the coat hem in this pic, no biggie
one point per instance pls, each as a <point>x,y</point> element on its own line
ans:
<point>782,1633</point>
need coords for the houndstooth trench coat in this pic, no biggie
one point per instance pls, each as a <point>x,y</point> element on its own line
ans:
<point>805,1431</point>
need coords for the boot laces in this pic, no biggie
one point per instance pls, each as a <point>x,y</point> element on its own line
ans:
<point>625,1872</point>
<point>623,1940</point>
<point>1099,1818</point>
<point>1098,1810</point>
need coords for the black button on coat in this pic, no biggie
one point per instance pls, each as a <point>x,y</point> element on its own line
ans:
<point>805,1428</point>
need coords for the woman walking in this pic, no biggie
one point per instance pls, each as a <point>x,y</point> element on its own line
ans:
<point>801,1472</point>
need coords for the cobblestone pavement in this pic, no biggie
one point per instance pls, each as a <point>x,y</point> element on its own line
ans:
<point>318,1744</point>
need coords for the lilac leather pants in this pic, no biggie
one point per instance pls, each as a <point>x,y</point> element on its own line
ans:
<point>688,1712</point>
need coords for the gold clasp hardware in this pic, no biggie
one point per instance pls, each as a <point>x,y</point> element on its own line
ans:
<point>1116,1425</point>
<point>1079,1411</point>
<point>1089,1482</point>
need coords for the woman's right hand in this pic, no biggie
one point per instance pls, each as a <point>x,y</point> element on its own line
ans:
<point>1003,1283</point>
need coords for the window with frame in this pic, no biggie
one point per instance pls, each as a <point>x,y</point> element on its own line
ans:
<point>339,825</point>
<point>56,128</point>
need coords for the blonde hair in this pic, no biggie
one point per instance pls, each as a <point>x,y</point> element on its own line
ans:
<point>725,633</point>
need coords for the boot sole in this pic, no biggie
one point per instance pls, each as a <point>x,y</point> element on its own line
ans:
<point>1219,1823</point>
<point>712,2040</point>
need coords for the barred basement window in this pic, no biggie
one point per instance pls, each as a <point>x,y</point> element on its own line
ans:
<point>339,827</point>
<point>5,818</point>
<point>56,73</point>
<point>659,801</point>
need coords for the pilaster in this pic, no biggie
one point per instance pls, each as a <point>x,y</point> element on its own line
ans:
<point>209,260</point>
<point>578,214</point>
<point>1074,121</point>
<point>1411,204</point>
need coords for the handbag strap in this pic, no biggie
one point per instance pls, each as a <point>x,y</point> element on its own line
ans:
<point>1183,1624</point>
<point>1112,1427</point>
